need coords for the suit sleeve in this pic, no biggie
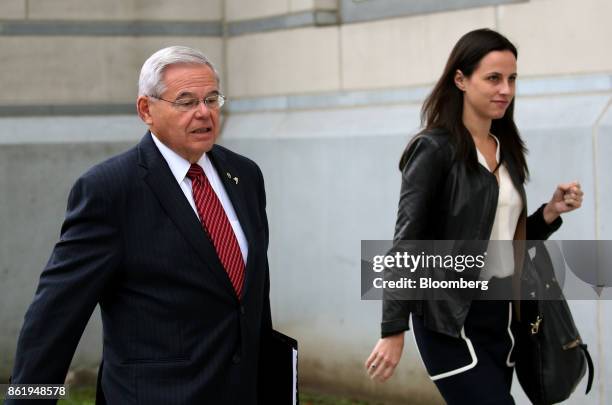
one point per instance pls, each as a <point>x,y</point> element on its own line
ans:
<point>80,266</point>
<point>266,325</point>
<point>421,174</point>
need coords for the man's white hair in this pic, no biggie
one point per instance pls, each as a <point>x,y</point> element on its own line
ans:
<point>151,81</point>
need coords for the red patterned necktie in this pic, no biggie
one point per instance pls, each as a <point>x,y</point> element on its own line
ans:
<point>217,226</point>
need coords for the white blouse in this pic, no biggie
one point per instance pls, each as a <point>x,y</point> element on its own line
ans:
<point>500,258</point>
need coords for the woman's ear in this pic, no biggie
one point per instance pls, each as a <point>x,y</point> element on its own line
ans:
<point>460,80</point>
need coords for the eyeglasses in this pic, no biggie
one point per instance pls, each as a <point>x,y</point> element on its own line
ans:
<point>212,101</point>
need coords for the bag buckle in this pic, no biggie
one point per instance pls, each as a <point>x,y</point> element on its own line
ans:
<point>535,326</point>
<point>572,344</point>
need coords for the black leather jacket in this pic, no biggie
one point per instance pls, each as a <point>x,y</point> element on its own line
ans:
<point>442,199</point>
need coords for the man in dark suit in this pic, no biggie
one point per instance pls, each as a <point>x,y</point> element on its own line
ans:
<point>170,239</point>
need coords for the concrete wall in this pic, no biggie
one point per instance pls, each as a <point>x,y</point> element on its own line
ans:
<point>237,10</point>
<point>325,108</point>
<point>71,54</point>
<point>158,10</point>
<point>85,69</point>
<point>553,36</point>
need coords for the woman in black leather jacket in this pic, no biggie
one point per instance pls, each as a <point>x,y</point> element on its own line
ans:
<point>463,179</point>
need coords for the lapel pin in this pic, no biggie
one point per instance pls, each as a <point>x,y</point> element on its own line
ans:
<point>229,176</point>
<point>236,180</point>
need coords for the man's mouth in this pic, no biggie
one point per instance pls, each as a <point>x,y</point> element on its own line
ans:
<point>202,130</point>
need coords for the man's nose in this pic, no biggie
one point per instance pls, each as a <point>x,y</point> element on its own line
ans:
<point>202,110</point>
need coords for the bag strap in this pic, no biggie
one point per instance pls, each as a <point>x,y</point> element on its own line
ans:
<point>590,365</point>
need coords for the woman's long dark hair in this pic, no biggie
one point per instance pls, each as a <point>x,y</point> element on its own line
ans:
<point>443,108</point>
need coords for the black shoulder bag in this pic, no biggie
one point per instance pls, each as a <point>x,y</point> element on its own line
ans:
<point>551,358</point>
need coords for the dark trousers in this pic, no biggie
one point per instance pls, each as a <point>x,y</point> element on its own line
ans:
<point>477,367</point>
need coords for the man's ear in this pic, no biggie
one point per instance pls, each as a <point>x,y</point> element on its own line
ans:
<point>459,80</point>
<point>142,105</point>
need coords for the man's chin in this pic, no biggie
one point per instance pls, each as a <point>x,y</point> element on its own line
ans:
<point>198,149</point>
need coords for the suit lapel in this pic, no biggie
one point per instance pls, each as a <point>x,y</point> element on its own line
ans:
<point>230,177</point>
<point>159,178</point>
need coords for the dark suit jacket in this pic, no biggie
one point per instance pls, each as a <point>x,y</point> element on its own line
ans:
<point>174,331</point>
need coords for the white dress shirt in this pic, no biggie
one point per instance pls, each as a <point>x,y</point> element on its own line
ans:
<point>500,258</point>
<point>179,167</point>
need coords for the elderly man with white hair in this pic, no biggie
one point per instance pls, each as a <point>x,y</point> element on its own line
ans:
<point>170,238</point>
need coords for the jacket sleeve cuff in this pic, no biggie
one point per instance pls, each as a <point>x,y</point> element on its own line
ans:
<point>394,327</point>
<point>538,229</point>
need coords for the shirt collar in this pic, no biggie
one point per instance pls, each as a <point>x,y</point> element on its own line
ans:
<point>497,149</point>
<point>481,158</point>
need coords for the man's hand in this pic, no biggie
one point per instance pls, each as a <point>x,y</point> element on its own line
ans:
<point>385,357</point>
<point>567,197</point>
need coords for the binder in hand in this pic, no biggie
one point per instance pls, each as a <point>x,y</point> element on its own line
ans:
<point>278,382</point>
